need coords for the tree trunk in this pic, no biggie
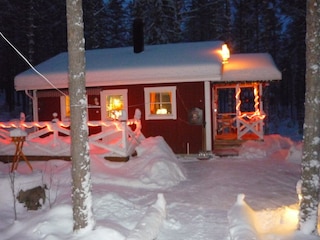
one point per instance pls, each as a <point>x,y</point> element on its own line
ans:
<point>310,165</point>
<point>81,188</point>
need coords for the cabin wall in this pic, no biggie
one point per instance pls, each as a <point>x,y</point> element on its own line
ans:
<point>47,106</point>
<point>178,133</point>
<point>94,109</point>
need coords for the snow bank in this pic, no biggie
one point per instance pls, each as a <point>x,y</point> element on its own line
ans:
<point>18,132</point>
<point>247,224</point>
<point>155,166</point>
<point>162,163</point>
<point>242,221</point>
<point>275,147</point>
<point>149,226</point>
<point>282,221</point>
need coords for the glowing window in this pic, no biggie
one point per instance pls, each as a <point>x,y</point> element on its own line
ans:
<point>65,108</point>
<point>113,102</point>
<point>160,103</point>
<point>114,106</point>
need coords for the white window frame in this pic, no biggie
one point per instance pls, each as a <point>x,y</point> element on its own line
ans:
<point>148,115</point>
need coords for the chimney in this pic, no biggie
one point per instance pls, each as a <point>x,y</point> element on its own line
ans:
<point>138,36</point>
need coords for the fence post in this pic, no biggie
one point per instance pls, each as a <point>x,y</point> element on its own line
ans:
<point>54,128</point>
<point>123,119</point>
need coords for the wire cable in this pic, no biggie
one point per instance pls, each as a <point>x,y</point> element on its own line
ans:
<point>32,67</point>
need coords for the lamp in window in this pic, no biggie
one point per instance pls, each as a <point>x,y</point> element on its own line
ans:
<point>162,111</point>
<point>225,52</point>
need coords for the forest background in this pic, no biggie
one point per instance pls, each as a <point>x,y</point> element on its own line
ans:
<point>38,28</point>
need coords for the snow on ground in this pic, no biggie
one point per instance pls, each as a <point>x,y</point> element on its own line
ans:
<point>156,193</point>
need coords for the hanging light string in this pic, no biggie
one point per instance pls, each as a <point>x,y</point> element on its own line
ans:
<point>32,67</point>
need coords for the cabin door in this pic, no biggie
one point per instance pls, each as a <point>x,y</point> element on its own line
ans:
<point>113,103</point>
<point>225,112</point>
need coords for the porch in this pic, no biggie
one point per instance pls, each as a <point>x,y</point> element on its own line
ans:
<point>238,112</point>
<point>238,116</point>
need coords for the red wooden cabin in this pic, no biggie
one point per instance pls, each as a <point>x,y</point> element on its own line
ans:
<point>186,92</point>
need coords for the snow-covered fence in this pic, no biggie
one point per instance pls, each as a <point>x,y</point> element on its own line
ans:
<point>242,221</point>
<point>117,137</point>
<point>4,134</point>
<point>149,226</point>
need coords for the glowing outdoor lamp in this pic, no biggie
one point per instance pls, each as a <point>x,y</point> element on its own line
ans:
<point>225,52</point>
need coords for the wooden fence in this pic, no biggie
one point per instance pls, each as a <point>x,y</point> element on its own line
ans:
<point>52,138</point>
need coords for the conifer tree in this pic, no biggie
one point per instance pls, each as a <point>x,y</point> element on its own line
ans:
<point>207,20</point>
<point>94,15</point>
<point>293,45</point>
<point>116,29</point>
<point>162,22</point>
<point>246,27</point>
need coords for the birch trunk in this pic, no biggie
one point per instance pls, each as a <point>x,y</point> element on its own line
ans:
<point>81,185</point>
<point>310,165</point>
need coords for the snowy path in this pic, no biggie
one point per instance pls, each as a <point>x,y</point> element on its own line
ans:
<point>198,207</point>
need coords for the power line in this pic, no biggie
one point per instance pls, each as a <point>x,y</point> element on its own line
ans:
<point>32,67</point>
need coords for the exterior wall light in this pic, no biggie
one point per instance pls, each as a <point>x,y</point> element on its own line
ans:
<point>225,52</point>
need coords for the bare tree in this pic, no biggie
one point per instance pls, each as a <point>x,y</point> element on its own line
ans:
<point>12,176</point>
<point>81,188</point>
<point>311,151</point>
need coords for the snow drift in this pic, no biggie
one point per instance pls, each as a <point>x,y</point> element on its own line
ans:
<point>154,167</point>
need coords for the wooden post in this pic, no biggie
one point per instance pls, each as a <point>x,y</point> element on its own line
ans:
<point>18,141</point>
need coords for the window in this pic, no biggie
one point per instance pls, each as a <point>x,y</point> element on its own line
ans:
<point>113,102</point>
<point>114,106</point>
<point>65,108</point>
<point>247,99</point>
<point>160,103</point>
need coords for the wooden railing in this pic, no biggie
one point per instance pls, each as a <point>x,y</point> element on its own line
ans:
<point>250,122</point>
<point>52,138</point>
<point>246,126</point>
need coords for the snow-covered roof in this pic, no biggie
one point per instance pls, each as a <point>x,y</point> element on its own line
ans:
<point>250,67</point>
<point>166,63</point>
<point>180,62</point>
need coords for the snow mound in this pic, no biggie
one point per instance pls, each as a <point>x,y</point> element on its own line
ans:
<point>49,225</point>
<point>247,224</point>
<point>273,147</point>
<point>155,166</point>
<point>18,132</point>
<point>242,221</point>
<point>149,226</point>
